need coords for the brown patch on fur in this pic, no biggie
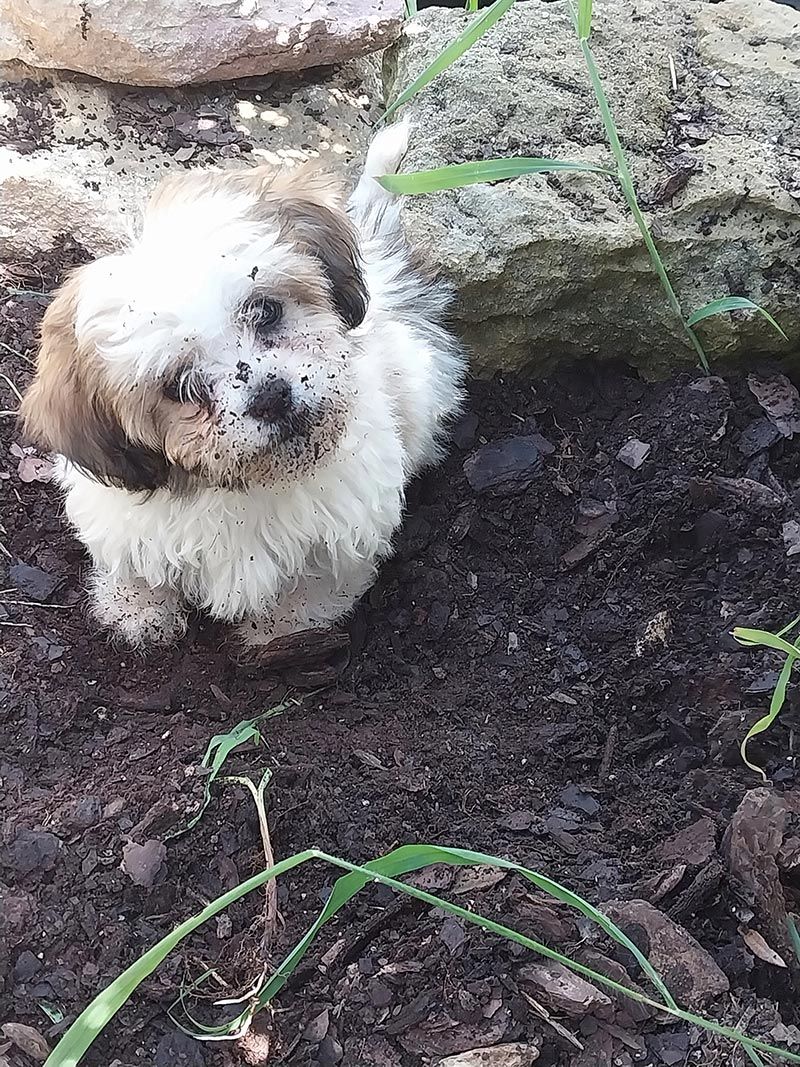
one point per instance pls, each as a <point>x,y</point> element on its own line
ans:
<point>310,208</point>
<point>328,236</point>
<point>70,409</point>
<point>187,432</point>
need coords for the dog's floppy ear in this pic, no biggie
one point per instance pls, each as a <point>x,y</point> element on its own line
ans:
<point>310,207</point>
<point>67,408</point>
<point>328,235</point>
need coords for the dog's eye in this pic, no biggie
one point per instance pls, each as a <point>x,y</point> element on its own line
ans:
<point>263,315</point>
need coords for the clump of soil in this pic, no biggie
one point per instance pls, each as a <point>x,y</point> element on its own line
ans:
<point>544,671</point>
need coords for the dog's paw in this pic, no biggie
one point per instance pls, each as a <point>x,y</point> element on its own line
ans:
<point>136,614</point>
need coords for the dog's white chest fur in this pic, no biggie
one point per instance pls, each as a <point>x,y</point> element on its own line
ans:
<point>238,554</point>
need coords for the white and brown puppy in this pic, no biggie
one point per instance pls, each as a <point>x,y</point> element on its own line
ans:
<point>240,398</point>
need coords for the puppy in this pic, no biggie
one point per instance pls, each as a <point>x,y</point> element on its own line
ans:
<point>240,398</point>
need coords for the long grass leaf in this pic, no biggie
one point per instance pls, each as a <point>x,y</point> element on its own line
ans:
<point>732,303</point>
<point>745,636</point>
<point>476,29</point>
<point>629,192</point>
<point>485,170</point>
<point>764,638</point>
<point>584,19</point>
<point>754,1057</point>
<point>409,858</point>
<point>96,1016</point>
<point>775,706</point>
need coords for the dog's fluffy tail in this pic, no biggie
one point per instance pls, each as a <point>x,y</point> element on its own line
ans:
<point>370,200</point>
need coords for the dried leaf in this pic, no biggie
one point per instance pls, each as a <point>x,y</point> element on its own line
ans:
<point>432,879</point>
<point>780,399</point>
<point>369,759</point>
<point>453,934</point>
<point>27,1040</point>
<point>759,947</point>
<point>473,879</point>
<point>516,1055</point>
<point>661,884</point>
<point>518,821</point>
<point>317,1028</point>
<point>565,992</point>
<point>791,537</point>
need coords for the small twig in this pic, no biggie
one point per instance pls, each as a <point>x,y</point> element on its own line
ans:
<point>608,752</point>
<point>272,916</point>
<point>11,386</point>
<point>672,74</point>
<point>16,352</point>
<point>544,1014</point>
<point>38,604</point>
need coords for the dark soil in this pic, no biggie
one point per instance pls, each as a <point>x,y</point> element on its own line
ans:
<point>545,674</point>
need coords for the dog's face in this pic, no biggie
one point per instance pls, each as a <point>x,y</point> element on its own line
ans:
<point>216,351</point>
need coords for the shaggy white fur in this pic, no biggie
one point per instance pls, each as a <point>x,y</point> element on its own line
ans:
<point>299,551</point>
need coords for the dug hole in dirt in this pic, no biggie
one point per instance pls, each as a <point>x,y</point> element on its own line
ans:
<point>544,672</point>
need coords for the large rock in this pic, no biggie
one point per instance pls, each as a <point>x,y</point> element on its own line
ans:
<point>77,159</point>
<point>177,42</point>
<point>549,267</point>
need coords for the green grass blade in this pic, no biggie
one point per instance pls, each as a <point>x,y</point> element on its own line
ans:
<point>104,1007</point>
<point>454,51</point>
<point>409,858</point>
<point>584,19</point>
<point>96,1016</point>
<point>745,636</point>
<point>764,638</point>
<point>411,8</point>
<point>764,723</point>
<point>794,937</point>
<point>485,170</point>
<point>219,748</point>
<point>732,303</point>
<point>413,857</point>
<point>472,5</point>
<point>629,192</point>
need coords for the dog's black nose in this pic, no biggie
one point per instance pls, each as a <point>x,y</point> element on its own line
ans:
<point>272,402</point>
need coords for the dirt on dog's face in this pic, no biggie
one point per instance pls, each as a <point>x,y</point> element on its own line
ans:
<point>218,350</point>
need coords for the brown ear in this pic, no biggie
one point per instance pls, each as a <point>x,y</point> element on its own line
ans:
<point>310,206</point>
<point>67,408</point>
<point>328,235</point>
